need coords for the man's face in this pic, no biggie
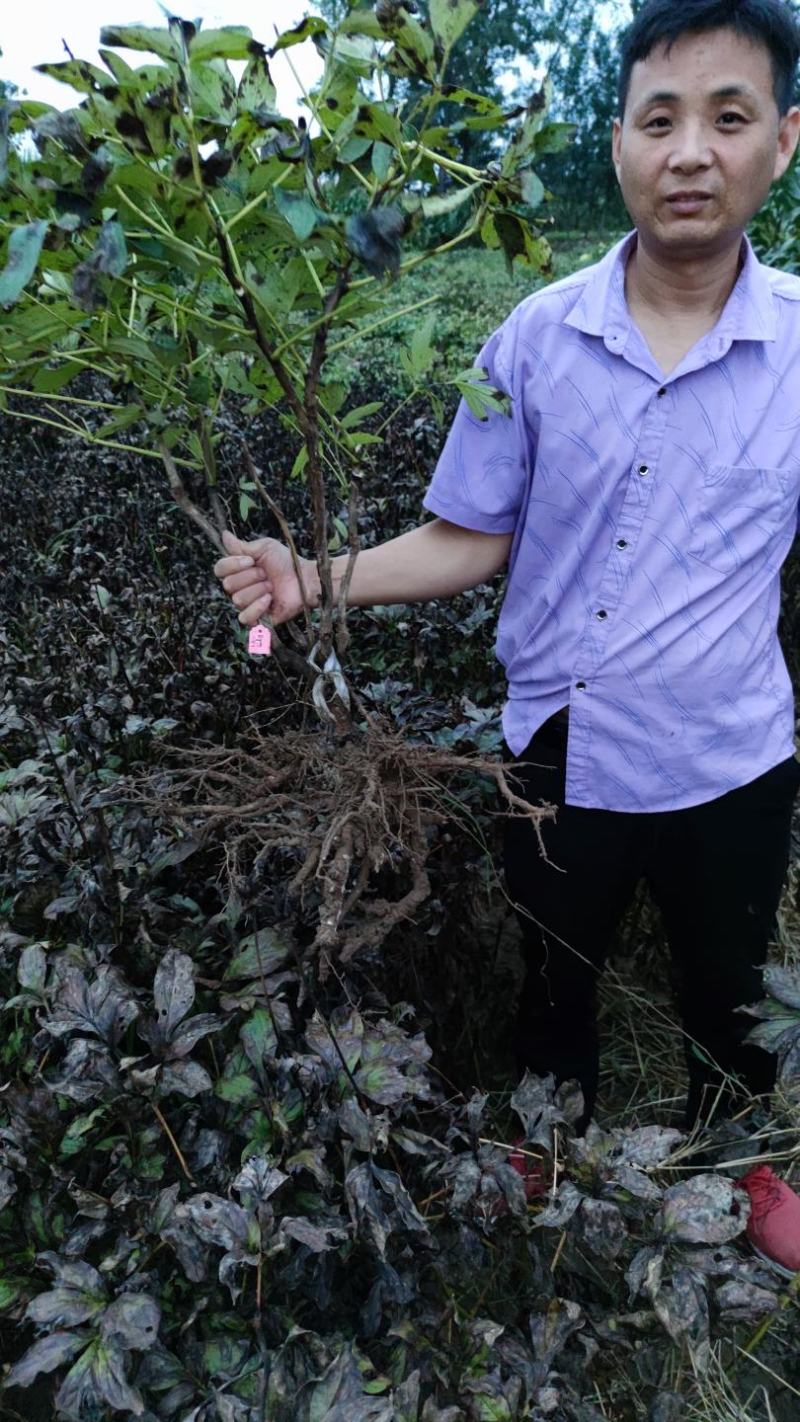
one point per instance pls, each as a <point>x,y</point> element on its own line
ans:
<point>701,141</point>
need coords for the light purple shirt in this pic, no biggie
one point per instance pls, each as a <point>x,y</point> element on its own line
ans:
<point>651,516</point>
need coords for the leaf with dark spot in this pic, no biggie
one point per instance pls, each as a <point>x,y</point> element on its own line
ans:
<point>317,1238</point>
<point>602,1228</point>
<point>307,28</point>
<point>103,1008</point>
<point>374,237</point>
<point>258,1180</point>
<point>87,1072</point>
<point>186,1078</point>
<point>131,1321</point>
<point>79,1295</point>
<point>218,1221</point>
<point>366,1210</point>
<point>44,1356</point>
<point>22,256</point>
<point>93,175</point>
<point>131,126</point>
<point>173,989</point>
<point>64,127</point>
<point>140,37</point>
<point>339,1396</point>
<point>98,1378</point>
<point>551,1329</point>
<point>708,1209</point>
<point>299,211</point>
<point>681,1307</point>
<point>109,258</point>
<point>533,1100</point>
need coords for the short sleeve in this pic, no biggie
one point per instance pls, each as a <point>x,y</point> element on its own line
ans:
<point>481,478</point>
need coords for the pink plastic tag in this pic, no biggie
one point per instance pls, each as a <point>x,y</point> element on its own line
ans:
<point>259,643</point>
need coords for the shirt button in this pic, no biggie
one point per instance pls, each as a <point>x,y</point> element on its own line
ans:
<point>580,685</point>
<point>662,391</point>
<point>643,469</point>
<point>601,615</point>
<point>622,542</point>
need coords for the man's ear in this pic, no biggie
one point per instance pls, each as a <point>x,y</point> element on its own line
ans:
<point>788,136</point>
<point>616,142</point>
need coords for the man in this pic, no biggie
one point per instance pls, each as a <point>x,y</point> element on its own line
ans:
<point>644,493</point>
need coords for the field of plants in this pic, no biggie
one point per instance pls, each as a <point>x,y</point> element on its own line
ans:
<point>257,970</point>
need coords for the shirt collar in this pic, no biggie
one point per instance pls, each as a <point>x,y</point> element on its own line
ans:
<point>601,309</point>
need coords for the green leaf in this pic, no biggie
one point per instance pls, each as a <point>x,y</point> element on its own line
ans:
<point>24,247</point>
<point>419,358</point>
<point>382,154</point>
<point>311,25</point>
<point>236,1089</point>
<point>10,1291</point>
<point>140,37</point>
<point>354,417</point>
<point>121,71</point>
<point>79,74</point>
<point>230,42</point>
<point>73,1138</point>
<point>256,94</point>
<point>264,952</point>
<point>362,22</point>
<point>465,98</point>
<point>437,205</point>
<point>49,379</point>
<point>299,212</point>
<point>383,1083</point>
<point>555,136</point>
<point>378,119</point>
<point>258,1036</point>
<point>354,149</point>
<point>4,118</point>
<point>417,42</point>
<point>481,397</point>
<point>449,18</point>
<point>127,416</point>
<point>109,258</point>
<point>532,187</point>
<point>213,90</point>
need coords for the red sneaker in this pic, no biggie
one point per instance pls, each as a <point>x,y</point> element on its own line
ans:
<point>537,1176</point>
<point>774,1224</point>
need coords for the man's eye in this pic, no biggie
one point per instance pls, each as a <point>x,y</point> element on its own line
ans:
<point>657,122</point>
<point>738,118</point>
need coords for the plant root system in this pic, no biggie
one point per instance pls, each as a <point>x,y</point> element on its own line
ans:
<point>348,809</point>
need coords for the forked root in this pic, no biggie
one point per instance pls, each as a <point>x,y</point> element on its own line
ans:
<point>347,809</point>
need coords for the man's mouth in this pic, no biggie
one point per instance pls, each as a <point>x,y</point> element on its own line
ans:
<point>689,202</point>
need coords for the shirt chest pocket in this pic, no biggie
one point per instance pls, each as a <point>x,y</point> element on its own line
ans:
<point>742,511</point>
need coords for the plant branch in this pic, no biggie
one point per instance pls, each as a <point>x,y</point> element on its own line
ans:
<point>254,475</point>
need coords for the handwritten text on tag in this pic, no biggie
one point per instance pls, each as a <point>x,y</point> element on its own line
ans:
<point>259,643</point>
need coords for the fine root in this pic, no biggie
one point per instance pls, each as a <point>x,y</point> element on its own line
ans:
<point>349,810</point>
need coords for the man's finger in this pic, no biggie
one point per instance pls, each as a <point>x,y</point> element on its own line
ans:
<point>258,609</point>
<point>234,581</point>
<point>225,566</point>
<point>251,594</point>
<point>247,548</point>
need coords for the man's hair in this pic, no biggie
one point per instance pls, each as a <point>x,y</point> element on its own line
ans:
<point>768,22</point>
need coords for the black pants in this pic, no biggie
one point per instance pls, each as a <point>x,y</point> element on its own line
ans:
<point>716,872</point>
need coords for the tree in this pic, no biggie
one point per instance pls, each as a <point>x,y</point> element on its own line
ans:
<point>180,240</point>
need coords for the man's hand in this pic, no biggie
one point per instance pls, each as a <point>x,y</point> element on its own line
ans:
<point>437,559</point>
<point>260,578</point>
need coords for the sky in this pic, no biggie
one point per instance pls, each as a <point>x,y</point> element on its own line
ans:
<point>29,37</point>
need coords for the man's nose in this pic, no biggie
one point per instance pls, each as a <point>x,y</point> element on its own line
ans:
<point>690,148</point>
